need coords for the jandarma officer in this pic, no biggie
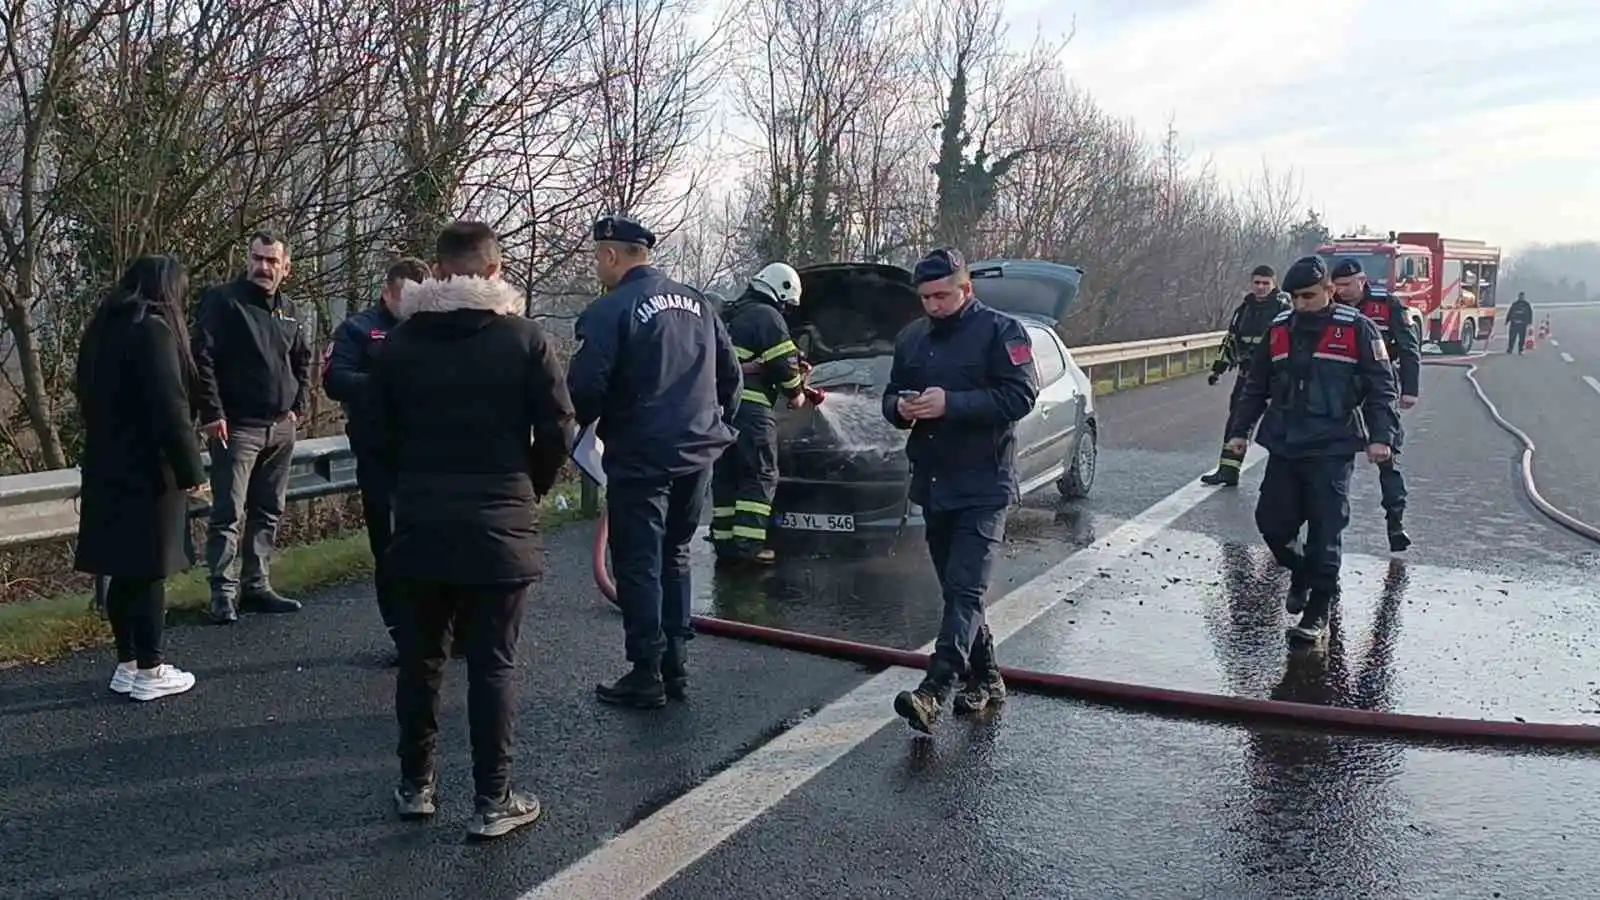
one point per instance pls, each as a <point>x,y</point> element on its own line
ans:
<point>1322,388</point>
<point>1388,312</point>
<point>655,367</point>
<point>961,379</point>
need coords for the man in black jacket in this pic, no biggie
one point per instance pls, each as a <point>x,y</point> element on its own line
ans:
<point>345,376</point>
<point>1518,320</point>
<point>461,385</point>
<point>253,372</point>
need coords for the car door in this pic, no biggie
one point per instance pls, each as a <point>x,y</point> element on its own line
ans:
<point>1054,420</point>
<point>1037,433</point>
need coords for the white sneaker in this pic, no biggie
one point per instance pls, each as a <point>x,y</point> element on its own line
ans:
<point>122,680</point>
<point>162,681</point>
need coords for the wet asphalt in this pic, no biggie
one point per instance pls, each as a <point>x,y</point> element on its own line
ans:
<point>271,778</point>
<point>1546,396</point>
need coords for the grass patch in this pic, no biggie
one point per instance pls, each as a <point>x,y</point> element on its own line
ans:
<point>48,628</point>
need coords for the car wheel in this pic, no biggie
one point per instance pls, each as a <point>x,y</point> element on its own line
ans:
<point>1080,472</point>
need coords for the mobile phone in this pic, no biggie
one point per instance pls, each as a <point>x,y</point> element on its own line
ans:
<point>907,395</point>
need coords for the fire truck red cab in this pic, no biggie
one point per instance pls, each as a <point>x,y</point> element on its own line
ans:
<point>1447,284</point>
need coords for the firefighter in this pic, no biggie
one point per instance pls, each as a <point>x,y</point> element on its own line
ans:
<point>746,477</point>
<point>1389,314</point>
<point>1248,326</point>
<point>1322,388</point>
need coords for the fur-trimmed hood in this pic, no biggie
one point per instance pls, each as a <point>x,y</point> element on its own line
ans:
<point>460,292</point>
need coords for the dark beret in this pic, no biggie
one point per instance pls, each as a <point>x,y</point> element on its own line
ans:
<point>941,262</point>
<point>1346,267</point>
<point>623,230</point>
<point>1307,271</point>
<point>1264,271</point>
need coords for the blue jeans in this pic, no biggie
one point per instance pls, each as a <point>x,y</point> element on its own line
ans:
<point>652,524</point>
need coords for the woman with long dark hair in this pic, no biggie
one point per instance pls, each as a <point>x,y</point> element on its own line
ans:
<point>141,461</point>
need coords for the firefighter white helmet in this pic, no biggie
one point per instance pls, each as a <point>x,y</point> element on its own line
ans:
<point>779,282</point>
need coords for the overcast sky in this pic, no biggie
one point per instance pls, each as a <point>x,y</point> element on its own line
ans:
<point>1479,118</point>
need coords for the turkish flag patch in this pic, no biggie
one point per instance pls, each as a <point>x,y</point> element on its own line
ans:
<point>1021,352</point>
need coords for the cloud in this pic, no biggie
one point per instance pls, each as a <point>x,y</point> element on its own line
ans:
<point>1469,116</point>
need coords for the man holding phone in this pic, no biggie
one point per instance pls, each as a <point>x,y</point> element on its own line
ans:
<point>962,378</point>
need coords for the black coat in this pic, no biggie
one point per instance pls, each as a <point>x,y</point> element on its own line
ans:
<point>461,385</point>
<point>140,453</point>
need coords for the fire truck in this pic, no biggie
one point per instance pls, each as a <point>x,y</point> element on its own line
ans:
<point>1447,284</point>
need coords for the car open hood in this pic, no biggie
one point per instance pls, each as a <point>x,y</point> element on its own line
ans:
<point>852,310</point>
<point>1027,287</point>
<point>855,310</point>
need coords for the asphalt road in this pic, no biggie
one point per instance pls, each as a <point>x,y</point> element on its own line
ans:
<point>271,778</point>
<point>1553,394</point>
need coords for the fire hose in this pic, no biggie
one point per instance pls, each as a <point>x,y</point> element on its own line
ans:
<point>1188,704</point>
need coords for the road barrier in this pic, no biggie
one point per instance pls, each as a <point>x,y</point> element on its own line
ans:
<point>1112,367</point>
<point>40,507</point>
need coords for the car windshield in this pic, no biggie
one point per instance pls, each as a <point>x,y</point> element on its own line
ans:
<point>1377,267</point>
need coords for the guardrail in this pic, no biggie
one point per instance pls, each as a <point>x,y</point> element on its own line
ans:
<point>1116,366</point>
<point>40,507</point>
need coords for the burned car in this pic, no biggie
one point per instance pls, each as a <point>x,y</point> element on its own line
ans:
<point>843,468</point>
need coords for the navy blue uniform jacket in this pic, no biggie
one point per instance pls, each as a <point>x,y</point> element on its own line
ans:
<point>654,365</point>
<point>1389,314</point>
<point>346,373</point>
<point>983,360</point>
<point>1320,385</point>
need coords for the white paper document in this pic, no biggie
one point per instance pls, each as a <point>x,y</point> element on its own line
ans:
<point>587,451</point>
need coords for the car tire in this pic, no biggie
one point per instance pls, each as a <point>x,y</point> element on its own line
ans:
<point>1075,485</point>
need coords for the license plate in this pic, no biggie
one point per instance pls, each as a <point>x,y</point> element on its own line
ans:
<point>816,522</point>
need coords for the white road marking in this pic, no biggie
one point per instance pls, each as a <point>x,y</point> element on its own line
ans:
<point>1592,383</point>
<point>639,861</point>
<point>1556,343</point>
<point>1566,357</point>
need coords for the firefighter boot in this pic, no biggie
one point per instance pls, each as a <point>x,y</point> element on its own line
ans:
<point>920,708</point>
<point>675,669</point>
<point>641,688</point>
<point>1293,558</point>
<point>984,687</point>
<point>1399,541</point>
<point>1227,473</point>
<point>1313,625</point>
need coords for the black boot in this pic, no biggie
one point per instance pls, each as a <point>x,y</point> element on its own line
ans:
<point>984,686</point>
<point>1399,541</point>
<point>640,689</point>
<point>675,669</point>
<point>1299,593</point>
<point>268,601</point>
<point>920,708</point>
<point>1227,473</point>
<point>1313,625</point>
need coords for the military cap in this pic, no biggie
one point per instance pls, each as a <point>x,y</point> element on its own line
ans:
<point>941,262</point>
<point>1307,271</point>
<point>623,230</point>
<point>1346,267</point>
